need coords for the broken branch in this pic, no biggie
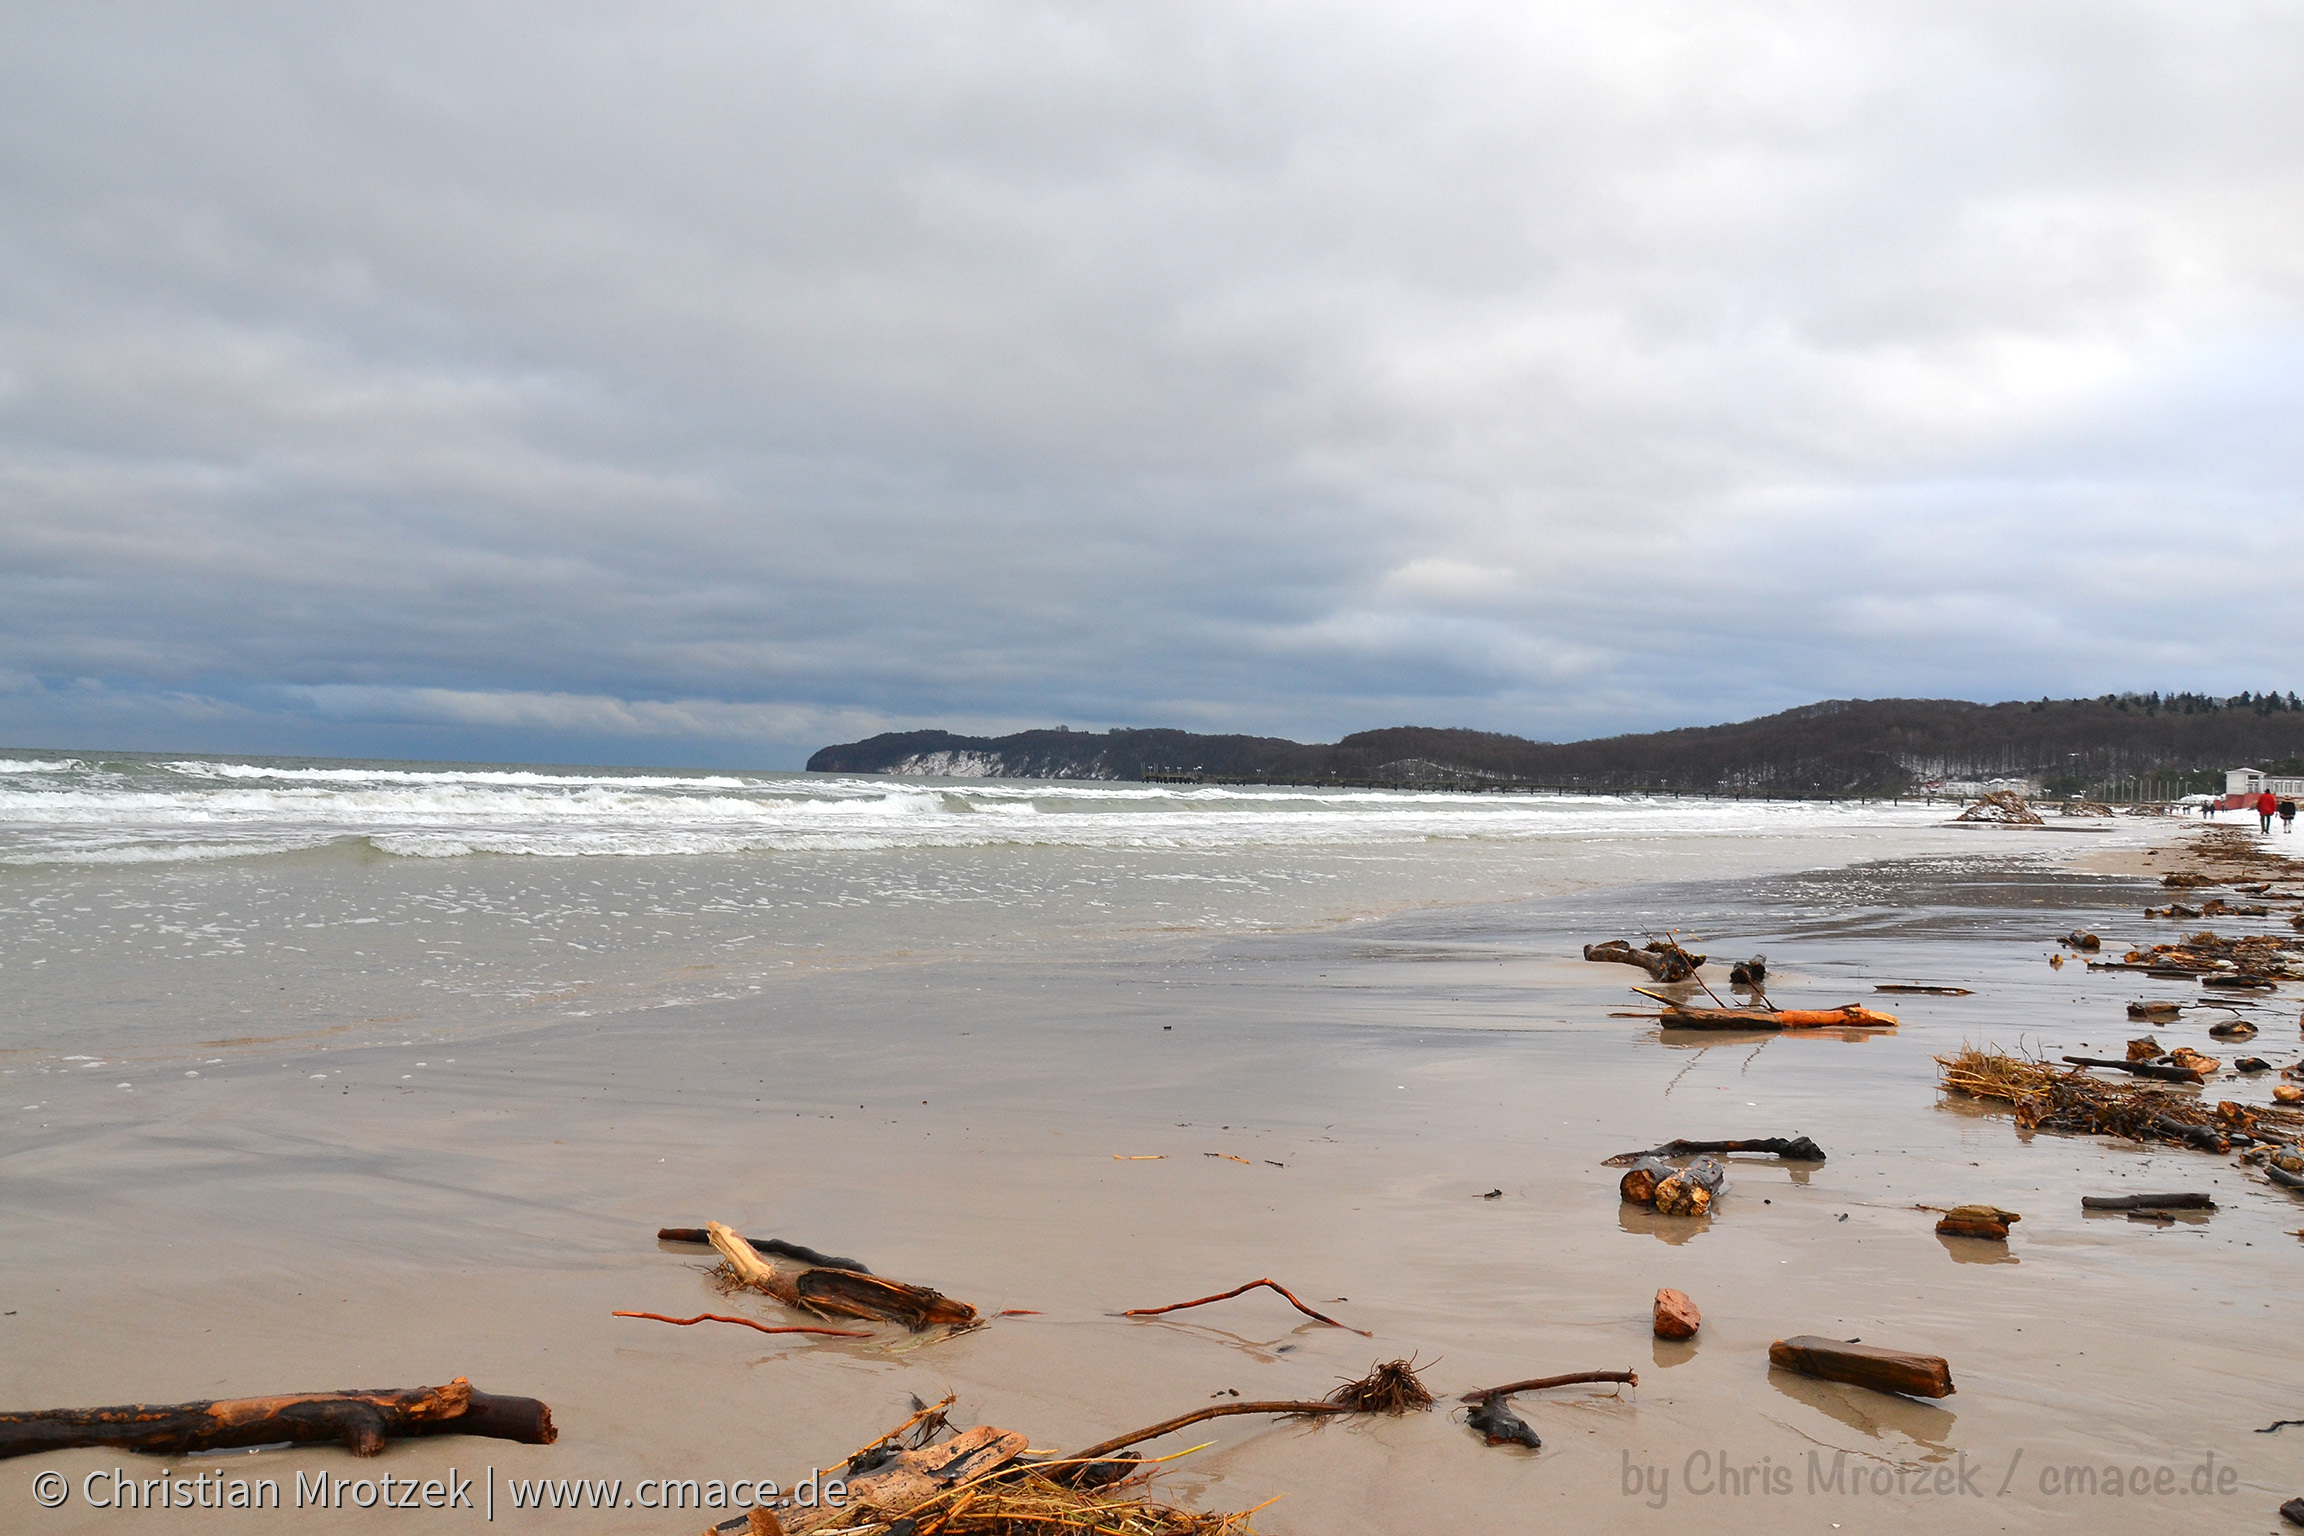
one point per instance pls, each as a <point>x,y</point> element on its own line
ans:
<point>718,1317</point>
<point>1275,1285</point>
<point>1539,1383</point>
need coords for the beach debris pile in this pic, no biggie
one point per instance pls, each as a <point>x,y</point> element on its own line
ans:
<point>985,1481</point>
<point>2004,808</point>
<point>361,1420</point>
<point>2047,1099</point>
<point>2257,957</point>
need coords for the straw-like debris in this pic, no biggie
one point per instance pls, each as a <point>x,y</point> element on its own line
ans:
<point>1039,1505</point>
<point>1391,1387</point>
<point>2048,1099</point>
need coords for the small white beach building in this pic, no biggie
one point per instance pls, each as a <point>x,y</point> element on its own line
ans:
<point>2255,781</point>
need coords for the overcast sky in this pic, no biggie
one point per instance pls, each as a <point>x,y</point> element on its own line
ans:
<point>704,385</point>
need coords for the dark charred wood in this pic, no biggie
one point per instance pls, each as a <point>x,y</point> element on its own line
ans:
<point>2151,1069</point>
<point>1795,1149</point>
<point>2189,1200</point>
<point>361,1420</point>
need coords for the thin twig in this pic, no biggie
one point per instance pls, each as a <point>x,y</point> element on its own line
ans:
<point>1251,1285</point>
<point>718,1317</point>
<point>1103,1448</point>
<point>895,1434</point>
<point>1538,1384</point>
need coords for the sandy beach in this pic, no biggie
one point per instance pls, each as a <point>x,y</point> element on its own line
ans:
<point>1067,1130</point>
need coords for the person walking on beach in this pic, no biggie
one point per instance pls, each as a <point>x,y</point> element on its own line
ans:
<point>2267,804</point>
<point>2287,814</point>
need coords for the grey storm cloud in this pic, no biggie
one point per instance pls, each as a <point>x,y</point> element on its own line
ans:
<point>708,383</point>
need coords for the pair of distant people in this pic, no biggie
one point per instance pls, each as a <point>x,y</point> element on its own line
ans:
<point>2269,806</point>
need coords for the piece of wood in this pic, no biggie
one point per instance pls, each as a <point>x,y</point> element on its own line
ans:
<point>1544,1383</point>
<point>1638,1186</point>
<point>913,1477</point>
<point>1691,1191</point>
<point>745,1322</point>
<point>769,1245</point>
<point>2149,1069</point>
<point>1848,1016</point>
<point>362,1420</point>
<point>1663,962</point>
<point>1676,1316</point>
<point>1929,991</point>
<point>1797,1149</point>
<point>838,1292</point>
<point>1863,1365</point>
<point>1986,1221</point>
<point>1275,1285</point>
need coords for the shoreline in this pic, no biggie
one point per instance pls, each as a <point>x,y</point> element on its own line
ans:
<point>384,1224</point>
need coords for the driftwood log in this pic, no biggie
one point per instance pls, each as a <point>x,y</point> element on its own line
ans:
<point>1863,1365</point>
<point>1638,1186</point>
<point>1930,991</point>
<point>1664,962</point>
<point>1848,1016</point>
<point>2189,1200</point>
<point>1797,1149</point>
<point>1692,1190</point>
<point>1672,1191</point>
<point>839,1292</point>
<point>362,1420</point>
<point>775,1247</point>
<point>2151,1069</point>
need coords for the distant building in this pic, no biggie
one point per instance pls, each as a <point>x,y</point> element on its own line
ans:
<point>2255,781</point>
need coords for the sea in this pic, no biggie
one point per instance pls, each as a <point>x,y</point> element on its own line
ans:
<point>158,903</point>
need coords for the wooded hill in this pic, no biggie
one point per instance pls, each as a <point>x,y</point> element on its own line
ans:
<point>1840,747</point>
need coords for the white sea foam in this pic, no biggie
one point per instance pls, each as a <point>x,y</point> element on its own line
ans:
<point>71,811</point>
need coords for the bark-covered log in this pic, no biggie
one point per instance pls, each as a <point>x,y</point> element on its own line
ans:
<point>2190,1200</point>
<point>1863,1365</point>
<point>839,1292</point>
<point>1664,962</point>
<point>1691,1191</point>
<point>1639,1182</point>
<point>362,1420</point>
<point>1797,1149</point>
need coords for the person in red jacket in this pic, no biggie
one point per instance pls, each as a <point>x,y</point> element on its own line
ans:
<point>2267,806</point>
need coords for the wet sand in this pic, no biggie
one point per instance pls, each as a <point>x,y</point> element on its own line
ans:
<point>354,1218</point>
